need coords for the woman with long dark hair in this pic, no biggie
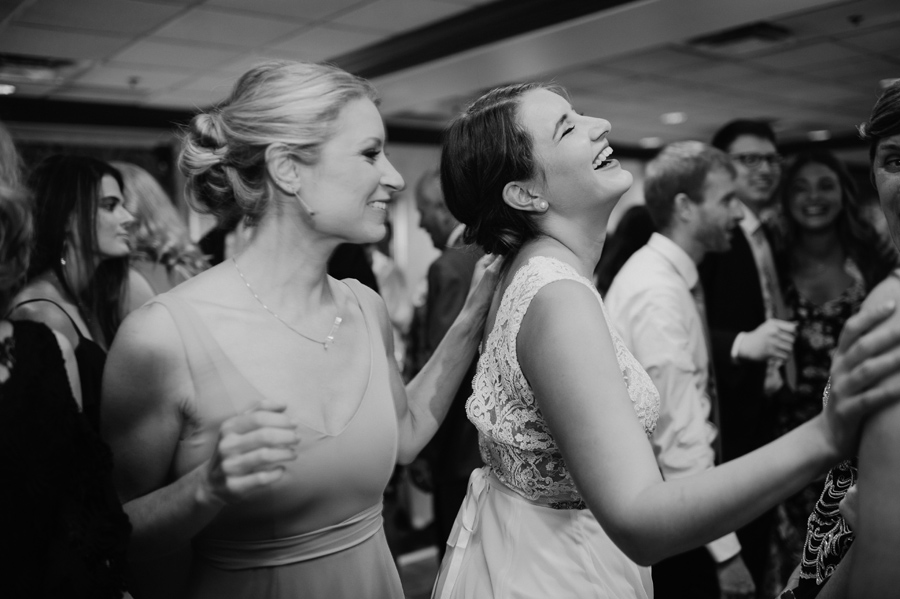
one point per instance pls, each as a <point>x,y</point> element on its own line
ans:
<point>79,281</point>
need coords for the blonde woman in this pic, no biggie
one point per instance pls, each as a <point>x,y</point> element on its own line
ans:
<point>256,411</point>
<point>162,250</point>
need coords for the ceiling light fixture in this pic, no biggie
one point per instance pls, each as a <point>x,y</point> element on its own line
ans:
<point>7,89</point>
<point>650,142</point>
<point>819,135</point>
<point>673,118</point>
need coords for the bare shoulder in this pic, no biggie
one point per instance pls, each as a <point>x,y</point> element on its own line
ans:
<point>54,316</point>
<point>139,290</point>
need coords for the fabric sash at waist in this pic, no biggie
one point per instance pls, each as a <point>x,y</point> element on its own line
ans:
<point>241,555</point>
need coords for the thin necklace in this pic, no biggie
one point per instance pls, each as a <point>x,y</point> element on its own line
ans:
<point>334,326</point>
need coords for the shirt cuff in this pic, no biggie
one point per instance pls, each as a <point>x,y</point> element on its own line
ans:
<point>724,548</point>
<point>736,347</point>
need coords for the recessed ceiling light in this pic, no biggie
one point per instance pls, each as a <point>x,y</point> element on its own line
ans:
<point>6,89</point>
<point>673,118</point>
<point>650,142</point>
<point>819,135</point>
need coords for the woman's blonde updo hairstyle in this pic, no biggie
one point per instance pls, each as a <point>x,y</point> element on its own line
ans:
<point>293,104</point>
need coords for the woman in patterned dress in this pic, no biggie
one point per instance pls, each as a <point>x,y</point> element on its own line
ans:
<point>571,502</point>
<point>832,258</point>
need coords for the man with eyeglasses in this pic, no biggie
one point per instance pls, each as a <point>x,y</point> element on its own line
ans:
<point>751,336</point>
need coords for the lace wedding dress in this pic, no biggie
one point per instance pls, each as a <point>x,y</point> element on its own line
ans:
<point>523,530</point>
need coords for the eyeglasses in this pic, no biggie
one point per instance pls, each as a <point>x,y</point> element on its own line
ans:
<point>755,159</point>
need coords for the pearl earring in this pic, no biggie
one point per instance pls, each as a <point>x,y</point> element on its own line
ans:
<point>543,205</point>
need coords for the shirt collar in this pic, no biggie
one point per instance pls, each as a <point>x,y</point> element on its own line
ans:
<point>750,223</point>
<point>455,234</point>
<point>671,251</point>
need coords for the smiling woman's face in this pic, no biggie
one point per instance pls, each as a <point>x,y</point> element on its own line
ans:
<point>886,169</point>
<point>815,197</point>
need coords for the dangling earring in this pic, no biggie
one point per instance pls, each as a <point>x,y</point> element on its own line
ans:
<point>65,250</point>
<point>305,206</point>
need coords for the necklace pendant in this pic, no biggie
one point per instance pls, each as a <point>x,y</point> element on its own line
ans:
<point>330,338</point>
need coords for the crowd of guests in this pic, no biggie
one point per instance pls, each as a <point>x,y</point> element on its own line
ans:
<point>181,422</point>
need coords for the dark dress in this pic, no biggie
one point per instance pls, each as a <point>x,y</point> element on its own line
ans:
<point>91,360</point>
<point>64,531</point>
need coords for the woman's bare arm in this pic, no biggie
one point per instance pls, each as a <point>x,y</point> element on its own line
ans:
<point>146,385</point>
<point>568,357</point>
<point>423,403</point>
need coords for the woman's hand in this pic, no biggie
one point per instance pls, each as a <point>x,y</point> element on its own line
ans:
<point>484,283</point>
<point>866,354</point>
<point>250,454</point>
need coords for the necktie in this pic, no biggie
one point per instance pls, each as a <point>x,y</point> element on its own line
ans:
<point>711,388</point>
<point>775,308</point>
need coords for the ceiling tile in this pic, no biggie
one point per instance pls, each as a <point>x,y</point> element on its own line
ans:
<point>115,16</point>
<point>138,77</point>
<point>805,56</point>
<point>397,15</point>
<point>883,41</point>
<point>166,53</point>
<point>21,39</point>
<point>245,63</point>
<point>841,18</point>
<point>322,43</point>
<point>307,9</point>
<point>219,85</point>
<point>661,60</point>
<point>218,27</point>
<point>719,73</point>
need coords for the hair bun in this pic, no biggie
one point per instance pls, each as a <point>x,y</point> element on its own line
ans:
<point>208,128</point>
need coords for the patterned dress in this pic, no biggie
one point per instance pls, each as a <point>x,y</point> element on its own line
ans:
<point>524,530</point>
<point>818,330</point>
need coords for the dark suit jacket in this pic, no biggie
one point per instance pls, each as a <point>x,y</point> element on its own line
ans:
<point>453,452</point>
<point>734,304</point>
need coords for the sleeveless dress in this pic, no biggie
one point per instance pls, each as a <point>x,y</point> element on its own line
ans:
<point>316,533</point>
<point>91,359</point>
<point>64,533</point>
<point>524,530</point>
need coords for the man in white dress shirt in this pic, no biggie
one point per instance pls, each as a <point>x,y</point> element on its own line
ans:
<point>657,305</point>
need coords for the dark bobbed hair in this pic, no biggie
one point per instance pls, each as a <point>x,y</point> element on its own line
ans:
<point>730,131</point>
<point>856,233</point>
<point>681,167</point>
<point>884,120</point>
<point>15,241</point>
<point>294,104</point>
<point>66,194</point>
<point>485,148</point>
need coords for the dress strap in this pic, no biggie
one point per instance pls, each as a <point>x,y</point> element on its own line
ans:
<point>206,359</point>
<point>44,299</point>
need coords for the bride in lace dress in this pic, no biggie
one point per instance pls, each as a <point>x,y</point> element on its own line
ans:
<point>570,502</point>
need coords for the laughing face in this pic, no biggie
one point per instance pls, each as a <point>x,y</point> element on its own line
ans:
<point>815,197</point>
<point>573,152</point>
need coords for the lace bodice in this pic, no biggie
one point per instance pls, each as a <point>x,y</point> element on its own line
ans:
<point>514,439</point>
